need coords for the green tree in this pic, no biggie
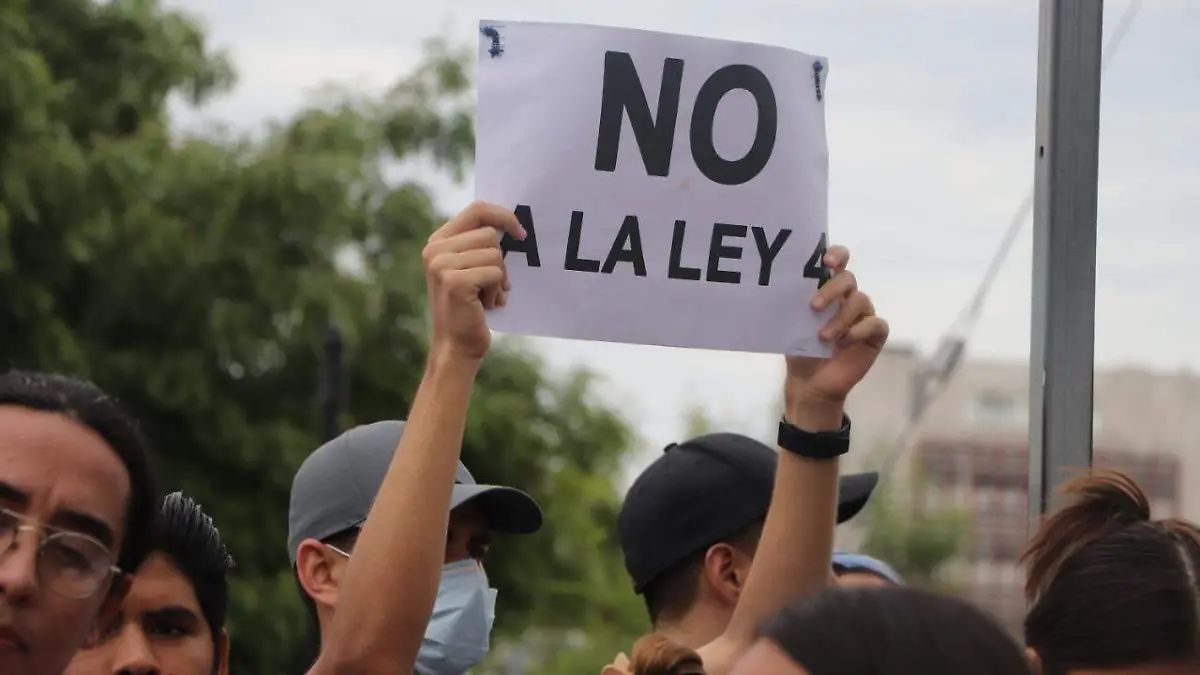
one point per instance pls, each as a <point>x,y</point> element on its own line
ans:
<point>698,421</point>
<point>194,277</point>
<point>918,543</point>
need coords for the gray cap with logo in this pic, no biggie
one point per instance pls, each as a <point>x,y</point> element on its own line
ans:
<point>335,487</point>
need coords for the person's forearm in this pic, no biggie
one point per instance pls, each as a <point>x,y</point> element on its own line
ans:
<point>794,552</point>
<point>391,581</point>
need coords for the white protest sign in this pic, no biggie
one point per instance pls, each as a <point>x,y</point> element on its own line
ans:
<point>675,189</point>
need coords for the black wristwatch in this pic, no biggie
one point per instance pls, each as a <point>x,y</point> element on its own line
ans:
<point>815,444</point>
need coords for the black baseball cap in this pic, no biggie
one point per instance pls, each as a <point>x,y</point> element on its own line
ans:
<point>335,487</point>
<point>701,491</point>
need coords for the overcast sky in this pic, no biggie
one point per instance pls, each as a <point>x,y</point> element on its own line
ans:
<point>930,114</point>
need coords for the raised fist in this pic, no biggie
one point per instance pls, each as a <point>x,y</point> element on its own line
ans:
<point>465,274</point>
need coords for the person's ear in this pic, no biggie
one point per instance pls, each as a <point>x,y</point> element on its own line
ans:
<point>726,569</point>
<point>319,573</point>
<point>1035,661</point>
<point>221,667</point>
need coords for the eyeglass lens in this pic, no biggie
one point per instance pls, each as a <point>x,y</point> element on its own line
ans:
<point>70,564</point>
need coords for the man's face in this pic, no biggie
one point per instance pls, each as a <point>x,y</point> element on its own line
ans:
<point>467,537</point>
<point>467,534</point>
<point>159,629</point>
<point>58,476</point>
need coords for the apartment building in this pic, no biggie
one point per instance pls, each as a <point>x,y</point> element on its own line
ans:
<point>971,452</point>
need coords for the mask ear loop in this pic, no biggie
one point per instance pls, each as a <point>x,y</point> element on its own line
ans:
<point>489,595</point>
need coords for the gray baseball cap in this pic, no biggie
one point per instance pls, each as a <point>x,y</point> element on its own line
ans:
<point>335,487</point>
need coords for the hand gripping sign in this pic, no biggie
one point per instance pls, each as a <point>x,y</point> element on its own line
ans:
<point>674,189</point>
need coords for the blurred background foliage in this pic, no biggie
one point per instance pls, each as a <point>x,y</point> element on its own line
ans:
<point>920,543</point>
<point>194,275</point>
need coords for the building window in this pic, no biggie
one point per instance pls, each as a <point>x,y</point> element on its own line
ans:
<point>1002,503</point>
<point>1002,480</point>
<point>1001,470</point>
<point>999,539</point>
<point>993,409</point>
<point>940,470</point>
<point>1157,475</point>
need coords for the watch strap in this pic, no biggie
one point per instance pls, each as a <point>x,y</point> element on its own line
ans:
<point>815,444</point>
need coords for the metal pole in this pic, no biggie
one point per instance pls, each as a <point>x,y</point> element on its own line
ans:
<point>331,383</point>
<point>1064,245</point>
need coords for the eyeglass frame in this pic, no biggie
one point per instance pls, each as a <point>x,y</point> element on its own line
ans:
<point>26,523</point>
<point>339,551</point>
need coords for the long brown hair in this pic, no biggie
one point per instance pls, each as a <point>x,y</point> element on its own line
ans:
<point>1110,587</point>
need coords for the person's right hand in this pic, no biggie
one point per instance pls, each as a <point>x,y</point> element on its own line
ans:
<point>465,274</point>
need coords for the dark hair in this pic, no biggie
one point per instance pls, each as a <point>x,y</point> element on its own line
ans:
<point>187,535</point>
<point>671,594</point>
<point>893,630</point>
<point>85,403</point>
<point>1108,586</point>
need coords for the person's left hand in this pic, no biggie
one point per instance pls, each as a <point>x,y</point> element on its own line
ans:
<point>858,336</point>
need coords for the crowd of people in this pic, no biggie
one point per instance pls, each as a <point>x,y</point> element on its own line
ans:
<point>730,542</point>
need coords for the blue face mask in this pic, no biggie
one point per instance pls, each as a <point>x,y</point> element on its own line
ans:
<point>458,635</point>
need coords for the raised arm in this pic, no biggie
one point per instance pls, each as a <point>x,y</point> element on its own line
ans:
<point>400,551</point>
<point>794,554</point>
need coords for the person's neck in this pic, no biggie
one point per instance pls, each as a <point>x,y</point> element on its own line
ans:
<point>324,621</point>
<point>697,628</point>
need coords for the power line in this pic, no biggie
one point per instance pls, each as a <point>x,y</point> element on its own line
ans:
<point>974,308</point>
<point>935,374</point>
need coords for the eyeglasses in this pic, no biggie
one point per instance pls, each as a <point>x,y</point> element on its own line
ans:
<point>72,565</point>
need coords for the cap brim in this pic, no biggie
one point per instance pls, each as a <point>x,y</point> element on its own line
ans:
<point>854,491</point>
<point>507,509</point>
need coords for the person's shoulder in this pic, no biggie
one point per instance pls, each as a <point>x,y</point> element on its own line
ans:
<point>720,655</point>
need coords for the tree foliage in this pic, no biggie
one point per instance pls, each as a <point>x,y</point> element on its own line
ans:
<point>916,542</point>
<point>699,420</point>
<point>194,276</point>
